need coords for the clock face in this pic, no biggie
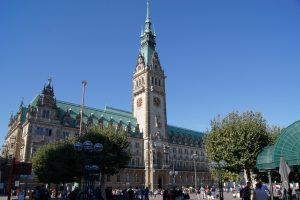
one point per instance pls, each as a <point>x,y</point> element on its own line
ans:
<point>156,101</point>
<point>139,102</point>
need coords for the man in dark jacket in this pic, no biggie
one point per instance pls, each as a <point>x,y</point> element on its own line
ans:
<point>246,192</point>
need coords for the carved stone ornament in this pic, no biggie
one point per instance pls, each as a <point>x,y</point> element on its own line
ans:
<point>157,121</point>
<point>156,101</point>
<point>139,102</point>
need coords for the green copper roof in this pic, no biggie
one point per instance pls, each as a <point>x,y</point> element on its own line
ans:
<point>287,146</point>
<point>117,116</point>
<point>148,43</point>
<point>178,135</point>
<point>23,116</point>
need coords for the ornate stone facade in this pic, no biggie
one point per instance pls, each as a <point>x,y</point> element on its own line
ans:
<point>156,147</point>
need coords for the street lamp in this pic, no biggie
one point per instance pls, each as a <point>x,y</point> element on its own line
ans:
<point>89,148</point>
<point>219,166</point>
<point>173,174</point>
<point>194,157</point>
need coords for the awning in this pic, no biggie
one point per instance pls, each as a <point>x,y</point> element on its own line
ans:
<point>286,146</point>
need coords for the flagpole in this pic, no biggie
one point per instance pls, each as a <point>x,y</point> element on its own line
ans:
<point>82,106</point>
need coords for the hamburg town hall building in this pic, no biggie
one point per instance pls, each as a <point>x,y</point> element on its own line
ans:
<point>156,147</point>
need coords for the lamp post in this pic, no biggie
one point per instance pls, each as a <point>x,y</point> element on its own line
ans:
<point>173,174</point>
<point>219,166</point>
<point>88,147</point>
<point>194,157</point>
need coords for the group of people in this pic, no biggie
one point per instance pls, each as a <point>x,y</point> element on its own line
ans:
<point>174,194</point>
<point>260,192</point>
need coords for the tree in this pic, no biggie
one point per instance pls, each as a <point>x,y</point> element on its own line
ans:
<point>51,163</point>
<point>114,155</point>
<point>237,139</point>
<point>274,134</point>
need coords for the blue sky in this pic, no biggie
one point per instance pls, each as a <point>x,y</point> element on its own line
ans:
<point>218,55</point>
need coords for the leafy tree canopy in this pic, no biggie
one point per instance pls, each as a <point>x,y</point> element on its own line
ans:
<point>59,162</point>
<point>51,163</point>
<point>237,139</point>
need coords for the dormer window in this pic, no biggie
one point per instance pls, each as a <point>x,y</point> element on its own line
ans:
<point>46,114</point>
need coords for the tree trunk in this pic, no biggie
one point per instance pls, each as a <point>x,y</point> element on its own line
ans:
<point>248,173</point>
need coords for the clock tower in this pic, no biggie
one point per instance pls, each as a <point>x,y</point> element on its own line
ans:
<point>149,97</point>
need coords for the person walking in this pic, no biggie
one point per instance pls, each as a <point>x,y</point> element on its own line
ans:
<point>246,192</point>
<point>259,193</point>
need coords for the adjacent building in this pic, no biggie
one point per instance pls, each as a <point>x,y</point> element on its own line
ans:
<point>156,147</point>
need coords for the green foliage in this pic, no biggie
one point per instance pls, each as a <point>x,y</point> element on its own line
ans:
<point>274,132</point>
<point>51,163</point>
<point>59,162</point>
<point>237,139</point>
<point>114,155</point>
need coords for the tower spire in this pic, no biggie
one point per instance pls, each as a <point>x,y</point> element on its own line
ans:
<point>147,22</point>
<point>147,39</point>
<point>148,12</point>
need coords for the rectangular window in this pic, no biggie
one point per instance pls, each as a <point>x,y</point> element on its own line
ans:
<point>46,114</point>
<point>39,130</point>
<point>174,150</point>
<point>132,162</point>
<point>48,131</point>
<point>136,178</point>
<point>65,134</point>
<point>108,178</point>
<point>186,151</point>
<point>137,145</point>
<point>118,178</point>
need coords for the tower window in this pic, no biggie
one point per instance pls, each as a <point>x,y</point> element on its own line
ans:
<point>155,81</point>
<point>159,82</point>
<point>152,80</point>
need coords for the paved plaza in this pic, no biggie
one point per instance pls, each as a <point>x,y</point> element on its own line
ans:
<point>227,196</point>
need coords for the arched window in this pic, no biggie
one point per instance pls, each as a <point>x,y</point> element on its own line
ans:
<point>155,81</point>
<point>159,82</point>
<point>152,80</point>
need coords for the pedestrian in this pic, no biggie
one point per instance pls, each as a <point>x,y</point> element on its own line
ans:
<point>146,193</point>
<point>246,192</point>
<point>130,193</point>
<point>259,193</point>
<point>165,194</point>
